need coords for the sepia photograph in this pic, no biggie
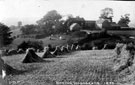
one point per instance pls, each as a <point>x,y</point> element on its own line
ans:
<point>67,42</point>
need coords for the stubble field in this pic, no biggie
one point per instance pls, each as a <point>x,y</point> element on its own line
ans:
<point>74,68</point>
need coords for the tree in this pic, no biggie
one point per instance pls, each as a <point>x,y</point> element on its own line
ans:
<point>105,19</point>
<point>66,19</point>
<point>124,20</point>
<point>5,35</point>
<point>106,13</point>
<point>51,23</point>
<point>30,29</point>
<point>52,16</point>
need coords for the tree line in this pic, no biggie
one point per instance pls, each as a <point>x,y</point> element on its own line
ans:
<point>53,23</point>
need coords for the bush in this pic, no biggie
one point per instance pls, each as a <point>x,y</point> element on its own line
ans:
<point>40,36</point>
<point>37,45</point>
<point>79,34</point>
<point>70,41</point>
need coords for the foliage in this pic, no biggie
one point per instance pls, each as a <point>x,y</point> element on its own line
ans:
<point>106,13</point>
<point>40,36</point>
<point>51,23</point>
<point>30,29</point>
<point>70,41</point>
<point>5,34</point>
<point>124,20</point>
<point>52,16</point>
<point>31,44</point>
<point>105,18</point>
<point>79,34</point>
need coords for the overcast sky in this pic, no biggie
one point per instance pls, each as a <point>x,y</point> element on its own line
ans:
<point>29,11</point>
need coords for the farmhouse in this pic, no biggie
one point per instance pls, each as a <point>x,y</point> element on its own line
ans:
<point>96,24</point>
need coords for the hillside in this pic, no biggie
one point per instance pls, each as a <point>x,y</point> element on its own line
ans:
<point>54,41</point>
<point>69,38</point>
<point>16,32</point>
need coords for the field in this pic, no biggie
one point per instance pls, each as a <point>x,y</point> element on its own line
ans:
<point>89,67</point>
<point>54,41</point>
<point>93,66</point>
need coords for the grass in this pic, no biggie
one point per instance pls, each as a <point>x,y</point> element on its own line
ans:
<point>79,66</point>
<point>55,41</point>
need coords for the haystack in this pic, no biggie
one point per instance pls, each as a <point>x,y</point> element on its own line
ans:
<point>64,50</point>
<point>10,70</point>
<point>31,57</point>
<point>3,81</point>
<point>109,46</point>
<point>47,53</point>
<point>57,51</point>
<point>78,47</point>
<point>94,48</point>
<point>73,47</point>
<point>12,52</point>
<point>118,48</point>
<point>1,65</point>
<point>125,59</point>
<point>6,69</point>
<point>20,51</point>
<point>68,47</point>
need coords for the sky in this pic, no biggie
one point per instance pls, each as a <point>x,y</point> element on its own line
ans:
<point>29,11</point>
